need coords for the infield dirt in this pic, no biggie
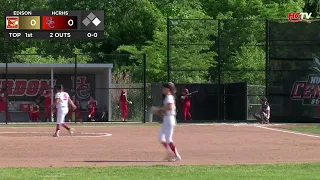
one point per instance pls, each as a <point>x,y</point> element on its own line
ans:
<point>138,145</point>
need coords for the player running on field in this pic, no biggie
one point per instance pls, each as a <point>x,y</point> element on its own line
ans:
<point>169,121</point>
<point>61,102</point>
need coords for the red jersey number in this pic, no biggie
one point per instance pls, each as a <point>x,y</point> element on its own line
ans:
<point>65,97</point>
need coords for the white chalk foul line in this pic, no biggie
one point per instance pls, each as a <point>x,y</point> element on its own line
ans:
<point>229,124</point>
<point>287,131</point>
<point>87,134</point>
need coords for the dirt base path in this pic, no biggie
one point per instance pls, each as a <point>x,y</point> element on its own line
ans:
<point>137,145</point>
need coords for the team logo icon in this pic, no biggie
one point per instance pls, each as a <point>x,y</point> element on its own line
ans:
<point>308,91</point>
<point>12,22</point>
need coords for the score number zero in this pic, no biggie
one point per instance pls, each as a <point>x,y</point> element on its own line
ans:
<point>62,35</point>
<point>34,22</point>
<point>94,35</point>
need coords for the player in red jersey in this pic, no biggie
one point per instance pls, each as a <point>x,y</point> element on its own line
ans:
<point>92,106</point>
<point>3,105</point>
<point>77,111</point>
<point>186,105</point>
<point>47,104</point>
<point>34,113</point>
<point>123,104</point>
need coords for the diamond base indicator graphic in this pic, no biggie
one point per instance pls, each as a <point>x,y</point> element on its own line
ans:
<point>92,20</point>
<point>12,22</point>
<point>29,22</point>
<point>59,25</point>
<point>59,22</point>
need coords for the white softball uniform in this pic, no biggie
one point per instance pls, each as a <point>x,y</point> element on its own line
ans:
<point>169,121</point>
<point>62,106</point>
<point>263,113</point>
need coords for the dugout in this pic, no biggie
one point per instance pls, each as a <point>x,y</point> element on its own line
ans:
<point>27,82</point>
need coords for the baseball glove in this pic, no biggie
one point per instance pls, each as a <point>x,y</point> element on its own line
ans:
<point>157,111</point>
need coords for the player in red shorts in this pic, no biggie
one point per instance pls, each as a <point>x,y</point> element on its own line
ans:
<point>92,106</point>
<point>186,105</point>
<point>123,104</point>
<point>3,105</point>
<point>47,104</point>
<point>34,113</point>
<point>78,114</point>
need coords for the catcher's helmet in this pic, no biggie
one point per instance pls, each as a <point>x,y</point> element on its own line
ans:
<point>264,99</point>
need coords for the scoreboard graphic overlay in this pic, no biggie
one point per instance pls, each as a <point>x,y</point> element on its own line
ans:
<point>73,25</point>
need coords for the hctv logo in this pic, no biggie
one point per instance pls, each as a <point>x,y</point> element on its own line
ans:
<point>299,16</point>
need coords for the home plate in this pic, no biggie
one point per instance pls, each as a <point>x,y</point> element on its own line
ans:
<point>49,134</point>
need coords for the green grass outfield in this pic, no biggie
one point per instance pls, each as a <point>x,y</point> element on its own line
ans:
<point>315,129</point>
<point>241,172</point>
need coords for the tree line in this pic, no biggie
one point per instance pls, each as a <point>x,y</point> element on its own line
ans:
<point>135,27</point>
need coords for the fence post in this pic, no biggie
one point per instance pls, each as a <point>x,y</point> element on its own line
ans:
<point>144,86</point>
<point>219,67</point>
<point>75,83</point>
<point>6,93</point>
<point>168,50</point>
<point>267,75</point>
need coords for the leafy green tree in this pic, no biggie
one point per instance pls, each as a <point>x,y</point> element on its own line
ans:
<point>184,58</point>
<point>137,27</point>
<point>32,55</point>
<point>238,36</point>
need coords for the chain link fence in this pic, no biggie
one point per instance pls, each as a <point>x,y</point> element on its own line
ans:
<point>29,78</point>
<point>275,58</point>
<point>222,52</point>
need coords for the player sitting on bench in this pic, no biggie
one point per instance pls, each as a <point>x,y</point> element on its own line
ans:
<point>34,113</point>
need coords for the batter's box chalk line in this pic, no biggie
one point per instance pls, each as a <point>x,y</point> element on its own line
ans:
<point>84,135</point>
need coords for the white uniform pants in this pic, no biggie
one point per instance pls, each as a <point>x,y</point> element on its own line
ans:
<point>61,114</point>
<point>261,115</point>
<point>167,129</point>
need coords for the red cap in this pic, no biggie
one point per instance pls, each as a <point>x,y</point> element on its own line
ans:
<point>186,91</point>
<point>123,91</point>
